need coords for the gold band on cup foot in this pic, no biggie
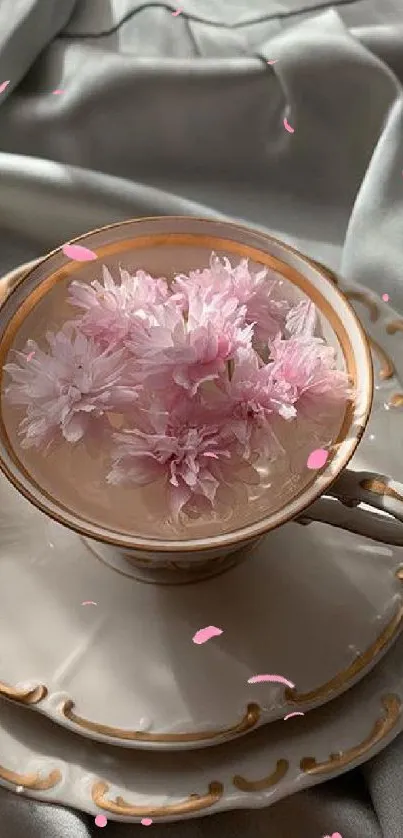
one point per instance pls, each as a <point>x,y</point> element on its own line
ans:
<point>168,572</point>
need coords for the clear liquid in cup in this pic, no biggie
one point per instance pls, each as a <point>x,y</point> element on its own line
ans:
<point>75,474</point>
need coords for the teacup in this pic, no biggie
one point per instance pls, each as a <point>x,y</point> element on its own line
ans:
<point>166,246</point>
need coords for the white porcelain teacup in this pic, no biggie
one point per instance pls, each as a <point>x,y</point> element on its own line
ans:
<point>166,246</point>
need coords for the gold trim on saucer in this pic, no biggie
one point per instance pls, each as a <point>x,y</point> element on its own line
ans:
<point>328,271</point>
<point>253,712</point>
<point>394,326</point>
<point>396,400</point>
<point>387,369</point>
<point>379,487</point>
<point>119,806</point>
<point>366,300</point>
<point>383,726</point>
<point>34,782</point>
<point>266,783</point>
<point>31,695</point>
<point>391,328</point>
<point>360,663</point>
<point>246,724</point>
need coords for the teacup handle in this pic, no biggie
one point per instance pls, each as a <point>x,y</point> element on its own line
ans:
<point>339,507</point>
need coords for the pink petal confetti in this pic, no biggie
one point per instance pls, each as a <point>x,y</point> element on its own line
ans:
<point>78,253</point>
<point>31,355</point>
<point>385,298</point>
<point>290,715</point>
<point>277,679</point>
<point>334,835</point>
<point>317,458</point>
<point>146,821</point>
<point>101,820</point>
<point>273,61</point>
<point>178,12</point>
<point>55,92</point>
<point>3,85</point>
<point>205,634</point>
<point>287,126</point>
<point>88,602</point>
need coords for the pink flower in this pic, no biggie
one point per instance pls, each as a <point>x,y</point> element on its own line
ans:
<point>66,388</point>
<point>193,459</point>
<point>253,398</point>
<point>189,350</point>
<point>309,365</point>
<point>256,291</point>
<point>111,310</point>
<point>302,319</point>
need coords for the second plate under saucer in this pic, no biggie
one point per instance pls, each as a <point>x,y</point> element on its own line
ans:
<point>114,659</point>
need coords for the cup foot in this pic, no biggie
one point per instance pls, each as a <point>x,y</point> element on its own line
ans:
<point>167,573</point>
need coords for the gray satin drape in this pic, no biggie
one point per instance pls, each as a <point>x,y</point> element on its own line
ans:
<point>183,115</point>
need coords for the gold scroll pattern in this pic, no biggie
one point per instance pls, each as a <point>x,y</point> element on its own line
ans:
<point>268,782</point>
<point>382,727</point>
<point>336,684</point>
<point>391,709</point>
<point>387,368</point>
<point>392,328</point>
<point>253,711</point>
<point>246,724</point>
<point>30,695</point>
<point>31,782</point>
<point>119,806</point>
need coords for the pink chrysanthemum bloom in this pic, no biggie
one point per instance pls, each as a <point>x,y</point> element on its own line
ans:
<point>256,291</point>
<point>189,350</point>
<point>309,365</point>
<point>67,388</point>
<point>193,459</point>
<point>112,310</point>
<point>302,320</point>
<point>253,399</point>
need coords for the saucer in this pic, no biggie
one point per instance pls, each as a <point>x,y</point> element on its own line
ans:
<point>112,658</point>
<point>49,764</point>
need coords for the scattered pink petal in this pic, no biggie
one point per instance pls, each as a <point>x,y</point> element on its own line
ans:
<point>88,602</point>
<point>3,85</point>
<point>334,835</point>
<point>287,126</point>
<point>290,715</point>
<point>205,634</point>
<point>78,253</point>
<point>101,820</point>
<point>55,92</point>
<point>178,12</point>
<point>277,679</point>
<point>317,458</point>
<point>30,355</point>
<point>385,298</point>
<point>272,61</point>
<point>146,821</point>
